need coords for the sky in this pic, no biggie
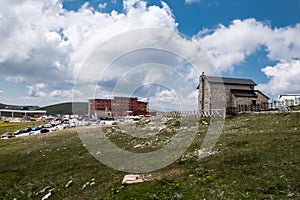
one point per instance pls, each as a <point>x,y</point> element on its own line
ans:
<point>46,44</point>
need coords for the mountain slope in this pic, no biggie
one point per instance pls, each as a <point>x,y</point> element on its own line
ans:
<point>2,105</point>
<point>81,108</point>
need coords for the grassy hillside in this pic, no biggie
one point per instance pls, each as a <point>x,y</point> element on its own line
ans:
<point>2,106</point>
<point>66,108</point>
<point>257,157</point>
<point>13,126</point>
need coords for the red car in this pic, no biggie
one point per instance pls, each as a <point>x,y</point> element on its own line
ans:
<point>7,135</point>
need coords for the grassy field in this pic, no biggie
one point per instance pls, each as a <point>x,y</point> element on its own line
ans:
<point>13,126</point>
<point>257,157</point>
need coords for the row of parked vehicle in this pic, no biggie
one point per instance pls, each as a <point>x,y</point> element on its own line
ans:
<point>53,126</point>
<point>59,124</point>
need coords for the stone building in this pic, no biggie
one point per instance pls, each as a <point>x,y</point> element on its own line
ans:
<point>234,94</point>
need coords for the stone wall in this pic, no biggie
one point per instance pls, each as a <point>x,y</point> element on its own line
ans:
<point>218,96</point>
<point>203,94</point>
<point>214,95</point>
<point>262,100</point>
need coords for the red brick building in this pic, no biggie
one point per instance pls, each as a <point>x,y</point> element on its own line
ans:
<point>118,106</point>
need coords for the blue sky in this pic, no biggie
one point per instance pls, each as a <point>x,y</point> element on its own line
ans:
<point>44,43</point>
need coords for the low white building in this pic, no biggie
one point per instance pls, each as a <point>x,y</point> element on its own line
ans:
<point>22,113</point>
<point>288,100</point>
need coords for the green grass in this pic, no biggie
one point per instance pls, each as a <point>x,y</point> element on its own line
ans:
<point>257,157</point>
<point>295,107</point>
<point>13,126</point>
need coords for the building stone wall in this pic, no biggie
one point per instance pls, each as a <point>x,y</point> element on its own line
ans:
<point>203,94</point>
<point>238,101</point>
<point>211,96</point>
<point>218,96</point>
<point>262,100</point>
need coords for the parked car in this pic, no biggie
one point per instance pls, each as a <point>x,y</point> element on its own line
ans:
<point>7,135</point>
<point>5,121</point>
<point>27,130</point>
<point>45,130</point>
<point>54,128</point>
<point>66,124</point>
<point>18,132</point>
<point>73,124</point>
<point>47,126</point>
<point>36,128</point>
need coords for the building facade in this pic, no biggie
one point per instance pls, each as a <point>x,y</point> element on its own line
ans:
<point>287,100</point>
<point>235,94</point>
<point>117,107</point>
<point>18,113</point>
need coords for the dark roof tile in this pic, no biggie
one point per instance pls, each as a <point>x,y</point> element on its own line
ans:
<point>226,80</point>
<point>244,93</point>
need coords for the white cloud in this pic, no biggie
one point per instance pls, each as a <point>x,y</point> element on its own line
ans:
<point>284,78</point>
<point>35,90</point>
<point>284,43</point>
<point>42,43</point>
<point>230,46</point>
<point>102,5</point>
<point>17,78</point>
<point>165,100</point>
<point>191,1</point>
<point>172,99</point>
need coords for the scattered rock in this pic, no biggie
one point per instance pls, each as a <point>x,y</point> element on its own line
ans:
<point>85,185</point>
<point>42,191</point>
<point>142,145</point>
<point>133,178</point>
<point>69,184</point>
<point>92,183</point>
<point>138,146</point>
<point>48,195</point>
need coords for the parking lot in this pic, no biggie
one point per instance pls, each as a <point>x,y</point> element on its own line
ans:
<point>42,126</point>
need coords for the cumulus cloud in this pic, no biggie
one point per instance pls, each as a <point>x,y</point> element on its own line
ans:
<point>43,43</point>
<point>42,94</point>
<point>44,46</point>
<point>166,100</point>
<point>172,99</point>
<point>284,78</point>
<point>230,46</point>
<point>35,91</point>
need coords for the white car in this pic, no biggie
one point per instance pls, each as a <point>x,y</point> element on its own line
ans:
<point>66,124</point>
<point>73,124</point>
<point>47,126</point>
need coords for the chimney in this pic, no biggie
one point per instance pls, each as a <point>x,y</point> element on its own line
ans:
<point>202,90</point>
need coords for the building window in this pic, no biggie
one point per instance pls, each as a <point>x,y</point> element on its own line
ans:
<point>253,102</point>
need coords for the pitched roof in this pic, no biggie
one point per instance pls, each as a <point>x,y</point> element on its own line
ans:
<point>289,95</point>
<point>227,80</point>
<point>257,91</point>
<point>243,93</point>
